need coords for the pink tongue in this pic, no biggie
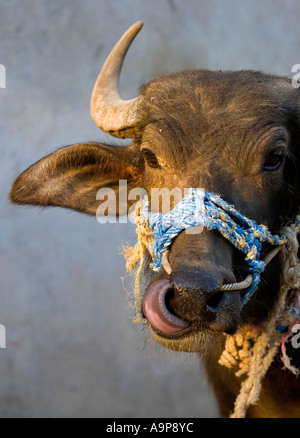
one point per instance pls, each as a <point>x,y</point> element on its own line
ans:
<point>155,309</point>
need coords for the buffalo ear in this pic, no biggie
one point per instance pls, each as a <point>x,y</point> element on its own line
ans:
<point>72,176</point>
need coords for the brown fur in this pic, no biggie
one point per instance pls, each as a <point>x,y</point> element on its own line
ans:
<point>201,129</point>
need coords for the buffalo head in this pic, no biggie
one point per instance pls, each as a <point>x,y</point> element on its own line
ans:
<point>232,133</point>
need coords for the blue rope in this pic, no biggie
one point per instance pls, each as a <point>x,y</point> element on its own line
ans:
<point>212,212</point>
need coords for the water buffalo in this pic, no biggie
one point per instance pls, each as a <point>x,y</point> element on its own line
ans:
<point>235,134</point>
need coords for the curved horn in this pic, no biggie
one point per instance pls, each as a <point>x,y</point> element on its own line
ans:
<point>109,111</point>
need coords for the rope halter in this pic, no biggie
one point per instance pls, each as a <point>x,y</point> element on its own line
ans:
<point>200,208</point>
<point>251,349</point>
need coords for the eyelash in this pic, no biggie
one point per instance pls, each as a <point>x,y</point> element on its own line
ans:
<point>273,160</point>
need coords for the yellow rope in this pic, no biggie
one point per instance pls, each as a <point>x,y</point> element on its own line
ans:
<point>136,254</point>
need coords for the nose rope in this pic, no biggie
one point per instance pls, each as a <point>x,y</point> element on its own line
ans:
<point>241,285</point>
<point>210,211</point>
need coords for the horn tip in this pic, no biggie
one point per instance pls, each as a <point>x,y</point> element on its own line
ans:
<point>136,27</point>
<point>139,24</point>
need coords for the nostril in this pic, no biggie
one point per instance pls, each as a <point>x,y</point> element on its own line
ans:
<point>215,301</point>
<point>168,300</point>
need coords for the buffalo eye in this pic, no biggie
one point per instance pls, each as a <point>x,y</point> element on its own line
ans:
<point>273,160</point>
<point>151,159</point>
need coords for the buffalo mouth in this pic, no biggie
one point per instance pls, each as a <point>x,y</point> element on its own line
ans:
<point>220,314</point>
<point>167,328</point>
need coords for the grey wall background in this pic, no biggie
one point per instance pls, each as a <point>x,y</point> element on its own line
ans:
<point>72,349</point>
